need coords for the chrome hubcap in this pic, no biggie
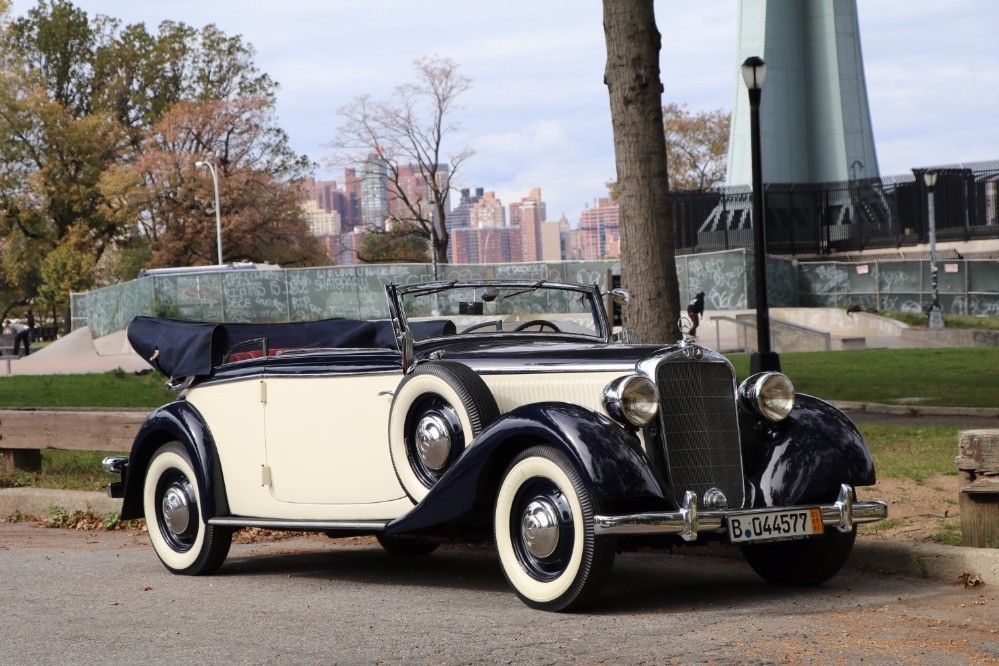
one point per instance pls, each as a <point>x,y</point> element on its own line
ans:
<point>176,510</point>
<point>539,528</point>
<point>433,441</point>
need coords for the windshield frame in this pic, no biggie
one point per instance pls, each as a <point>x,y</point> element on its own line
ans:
<point>396,294</point>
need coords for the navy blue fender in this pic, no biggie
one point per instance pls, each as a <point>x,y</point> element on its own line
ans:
<point>181,422</point>
<point>608,457</point>
<point>806,457</point>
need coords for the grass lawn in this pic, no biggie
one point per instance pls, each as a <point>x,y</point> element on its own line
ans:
<point>943,377</point>
<point>913,452</point>
<point>110,389</point>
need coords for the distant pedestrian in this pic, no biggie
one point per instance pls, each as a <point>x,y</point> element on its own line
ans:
<point>30,321</point>
<point>20,333</point>
<point>695,309</point>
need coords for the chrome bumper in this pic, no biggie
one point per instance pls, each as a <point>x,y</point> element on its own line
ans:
<point>115,465</point>
<point>688,521</point>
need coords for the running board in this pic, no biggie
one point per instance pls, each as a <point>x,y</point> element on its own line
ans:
<point>369,526</point>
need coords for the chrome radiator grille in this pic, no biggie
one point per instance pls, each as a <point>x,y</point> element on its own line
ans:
<point>700,429</point>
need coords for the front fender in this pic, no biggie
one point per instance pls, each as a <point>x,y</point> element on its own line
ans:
<point>178,421</point>
<point>607,456</point>
<point>806,457</point>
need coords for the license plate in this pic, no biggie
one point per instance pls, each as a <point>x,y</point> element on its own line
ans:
<point>772,525</point>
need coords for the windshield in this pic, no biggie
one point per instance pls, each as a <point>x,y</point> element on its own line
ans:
<point>541,308</point>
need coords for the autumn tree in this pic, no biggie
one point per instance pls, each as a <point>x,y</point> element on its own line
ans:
<point>173,202</point>
<point>648,267</point>
<point>696,147</point>
<point>408,137</point>
<point>80,98</point>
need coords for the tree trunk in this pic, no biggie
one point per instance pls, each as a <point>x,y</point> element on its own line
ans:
<point>648,267</point>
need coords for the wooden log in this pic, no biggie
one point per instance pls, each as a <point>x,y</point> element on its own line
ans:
<point>24,433</point>
<point>978,462</point>
<point>978,452</point>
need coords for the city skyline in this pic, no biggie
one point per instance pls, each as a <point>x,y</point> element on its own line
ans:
<point>537,115</point>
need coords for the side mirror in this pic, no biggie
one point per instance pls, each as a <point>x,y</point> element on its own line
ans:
<point>620,296</point>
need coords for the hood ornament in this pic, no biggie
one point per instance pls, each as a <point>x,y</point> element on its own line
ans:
<point>687,344</point>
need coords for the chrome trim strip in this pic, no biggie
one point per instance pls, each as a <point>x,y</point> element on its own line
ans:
<point>317,525</point>
<point>542,369</point>
<point>688,521</point>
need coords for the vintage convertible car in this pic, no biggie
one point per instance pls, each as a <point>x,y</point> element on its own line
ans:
<point>501,410</point>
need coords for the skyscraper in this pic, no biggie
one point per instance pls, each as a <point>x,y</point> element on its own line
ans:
<point>528,214</point>
<point>374,192</point>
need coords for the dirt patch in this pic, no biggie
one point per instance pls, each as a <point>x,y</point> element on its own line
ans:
<point>921,512</point>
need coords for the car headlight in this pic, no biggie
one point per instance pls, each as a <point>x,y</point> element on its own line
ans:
<point>769,394</point>
<point>633,400</point>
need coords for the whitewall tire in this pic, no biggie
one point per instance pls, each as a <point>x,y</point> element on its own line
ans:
<point>436,412</point>
<point>543,524</point>
<point>172,505</point>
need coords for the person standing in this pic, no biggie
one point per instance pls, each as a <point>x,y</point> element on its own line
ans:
<point>695,309</point>
<point>20,333</point>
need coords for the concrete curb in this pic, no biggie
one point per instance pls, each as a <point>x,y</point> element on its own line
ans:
<point>904,410</point>
<point>943,563</point>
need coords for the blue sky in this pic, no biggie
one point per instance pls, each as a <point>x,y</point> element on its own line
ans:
<point>538,116</point>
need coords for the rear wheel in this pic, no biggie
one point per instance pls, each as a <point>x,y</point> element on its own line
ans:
<point>543,525</point>
<point>801,563</point>
<point>172,504</point>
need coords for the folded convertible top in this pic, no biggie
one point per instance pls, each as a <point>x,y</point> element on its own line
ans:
<point>188,348</point>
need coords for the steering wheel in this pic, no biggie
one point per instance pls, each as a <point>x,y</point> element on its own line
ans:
<point>540,323</point>
<point>482,324</point>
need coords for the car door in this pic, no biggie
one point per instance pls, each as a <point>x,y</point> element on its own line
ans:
<point>326,427</point>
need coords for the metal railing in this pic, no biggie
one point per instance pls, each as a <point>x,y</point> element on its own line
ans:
<point>816,219</point>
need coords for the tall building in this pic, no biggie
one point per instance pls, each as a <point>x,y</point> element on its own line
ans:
<point>600,230</point>
<point>528,214</point>
<point>459,217</point>
<point>374,192</point>
<point>412,190</point>
<point>487,212</point>
<point>815,123</point>
<point>551,240</point>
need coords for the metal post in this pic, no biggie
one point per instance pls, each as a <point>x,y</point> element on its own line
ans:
<point>218,210</point>
<point>765,358</point>
<point>934,317</point>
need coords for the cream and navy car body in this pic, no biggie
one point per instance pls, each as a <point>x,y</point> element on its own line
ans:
<point>499,410</point>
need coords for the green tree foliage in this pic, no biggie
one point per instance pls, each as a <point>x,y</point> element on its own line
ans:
<point>82,99</point>
<point>696,147</point>
<point>397,246</point>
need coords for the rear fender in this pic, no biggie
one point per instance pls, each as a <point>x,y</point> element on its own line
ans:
<point>608,457</point>
<point>806,457</point>
<point>180,422</point>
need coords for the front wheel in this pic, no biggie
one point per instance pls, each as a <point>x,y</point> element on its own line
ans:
<point>543,525</point>
<point>801,563</point>
<point>172,504</point>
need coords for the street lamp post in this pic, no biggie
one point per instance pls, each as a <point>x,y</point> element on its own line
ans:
<point>754,72</point>
<point>218,213</point>
<point>934,315</point>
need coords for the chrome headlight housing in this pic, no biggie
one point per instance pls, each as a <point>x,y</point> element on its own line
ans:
<point>632,400</point>
<point>769,394</point>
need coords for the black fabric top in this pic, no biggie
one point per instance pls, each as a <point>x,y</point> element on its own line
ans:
<point>189,348</point>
